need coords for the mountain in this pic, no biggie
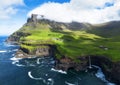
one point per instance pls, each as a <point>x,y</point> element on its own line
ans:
<point>71,44</point>
<point>109,29</point>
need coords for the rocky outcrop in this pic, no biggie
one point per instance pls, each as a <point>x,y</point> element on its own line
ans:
<point>21,54</point>
<point>110,69</point>
<point>66,63</point>
<point>15,37</point>
<point>113,74</point>
<point>33,18</point>
<point>46,50</point>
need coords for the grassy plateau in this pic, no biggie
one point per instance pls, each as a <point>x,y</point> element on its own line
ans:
<point>72,43</point>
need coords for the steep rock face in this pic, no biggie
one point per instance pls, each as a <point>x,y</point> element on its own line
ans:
<point>66,63</point>
<point>21,54</point>
<point>42,51</point>
<point>46,50</point>
<point>114,74</point>
<point>110,69</point>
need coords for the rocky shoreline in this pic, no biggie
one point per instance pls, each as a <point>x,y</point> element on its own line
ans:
<point>110,69</point>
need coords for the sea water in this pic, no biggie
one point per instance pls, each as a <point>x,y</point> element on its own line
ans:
<point>40,71</point>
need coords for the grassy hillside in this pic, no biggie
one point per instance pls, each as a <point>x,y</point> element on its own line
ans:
<point>102,40</point>
<point>109,29</point>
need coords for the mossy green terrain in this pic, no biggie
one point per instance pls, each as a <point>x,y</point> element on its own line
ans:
<point>71,43</point>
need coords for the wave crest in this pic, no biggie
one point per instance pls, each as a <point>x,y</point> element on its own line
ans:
<point>60,71</point>
<point>3,51</point>
<point>30,75</point>
<point>101,76</point>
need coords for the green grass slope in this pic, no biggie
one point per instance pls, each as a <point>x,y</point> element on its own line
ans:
<point>101,40</point>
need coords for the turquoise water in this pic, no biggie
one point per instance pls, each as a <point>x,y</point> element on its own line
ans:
<point>40,71</point>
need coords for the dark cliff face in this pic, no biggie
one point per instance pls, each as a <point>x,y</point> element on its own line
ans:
<point>115,73</point>
<point>66,63</point>
<point>42,51</point>
<point>110,69</point>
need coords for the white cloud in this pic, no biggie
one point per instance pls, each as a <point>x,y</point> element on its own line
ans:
<point>80,10</point>
<point>7,8</point>
<point>9,23</point>
<point>8,27</point>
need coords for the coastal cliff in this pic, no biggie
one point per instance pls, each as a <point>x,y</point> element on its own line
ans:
<point>71,44</point>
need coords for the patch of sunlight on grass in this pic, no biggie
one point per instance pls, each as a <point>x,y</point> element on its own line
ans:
<point>72,43</point>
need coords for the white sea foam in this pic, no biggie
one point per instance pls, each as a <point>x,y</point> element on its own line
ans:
<point>15,59</point>
<point>38,61</point>
<point>3,51</point>
<point>19,65</point>
<point>15,50</point>
<point>14,62</point>
<point>30,75</point>
<point>51,81</point>
<point>68,83</point>
<point>46,74</point>
<point>60,71</point>
<point>101,76</point>
<point>9,45</point>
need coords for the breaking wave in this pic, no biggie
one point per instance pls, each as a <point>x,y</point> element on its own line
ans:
<point>49,81</point>
<point>101,76</point>
<point>69,83</point>
<point>30,75</point>
<point>3,51</point>
<point>15,59</point>
<point>38,61</point>
<point>60,71</point>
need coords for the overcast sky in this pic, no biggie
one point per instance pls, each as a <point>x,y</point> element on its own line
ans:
<point>13,13</point>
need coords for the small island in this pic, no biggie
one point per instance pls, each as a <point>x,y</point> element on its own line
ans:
<point>71,44</point>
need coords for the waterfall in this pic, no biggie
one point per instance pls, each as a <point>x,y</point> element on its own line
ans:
<point>90,66</point>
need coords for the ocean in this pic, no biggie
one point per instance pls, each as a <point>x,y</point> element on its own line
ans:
<point>40,71</point>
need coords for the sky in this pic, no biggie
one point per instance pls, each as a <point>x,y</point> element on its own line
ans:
<point>14,13</point>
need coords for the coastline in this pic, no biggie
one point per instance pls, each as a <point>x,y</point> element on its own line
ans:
<point>70,48</point>
<point>108,67</point>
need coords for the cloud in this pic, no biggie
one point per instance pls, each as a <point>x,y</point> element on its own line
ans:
<point>8,22</point>
<point>8,8</point>
<point>8,27</point>
<point>92,11</point>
